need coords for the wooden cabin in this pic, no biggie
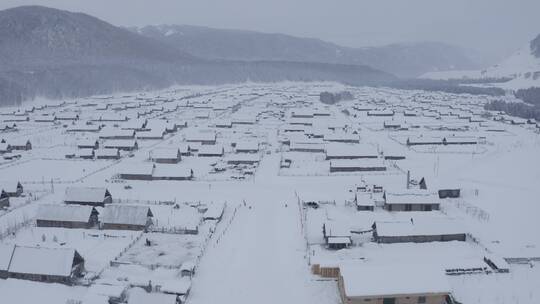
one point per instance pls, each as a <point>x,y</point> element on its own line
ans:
<point>91,196</point>
<point>48,265</point>
<point>67,216</point>
<point>126,217</point>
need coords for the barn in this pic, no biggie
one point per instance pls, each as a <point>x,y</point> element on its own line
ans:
<point>22,145</point>
<point>5,148</point>
<point>342,137</point>
<point>205,138</point>
<point>50,265</point>
<point>126,217</point>
<point>88,144</point>
<point>67,216</point>
<point>211,151</point>
<point>117,134</point>
<point>360,283</point>
<point>166,156</point>
<point>344,151</point>
<point>91,196</point>
<point>107,153</point>
<point>243,159</point>
<point>122,144</point>
<point>247,147</point>
<point>418,231</point>
<point>13,189</point>
<point>137,172</point>
<point>172,172</point>
<point>410,200</point>
<point>357,165</point>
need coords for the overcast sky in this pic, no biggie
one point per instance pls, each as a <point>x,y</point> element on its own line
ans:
<point>494,27</point>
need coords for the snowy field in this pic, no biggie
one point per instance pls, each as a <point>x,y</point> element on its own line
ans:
<point>276,151</point>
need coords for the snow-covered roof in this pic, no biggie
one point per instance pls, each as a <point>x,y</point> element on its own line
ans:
<point>85,194</point>
<point>170,170</point>
<point>211,149</point>
<point>420,226</point>
<point>336,229</point>
<point>165,153</point>
<point>9,187</point>
<point>137,168</point>
<point>114,291</point>
<point>67,213</point>
<point>120,143</point>
<point>247,145</point>
<point>200,136</point>
<point>6,251</point>
<point>344,150</point>
<point>110,152</point>
<point>126,214</point>
<point>112,133</point>
<point>357,163</point>
<point>179,287</point>
<point>411,196</point>
<point>139,296</point>
<point>362,280</point>
<point>42,261</point>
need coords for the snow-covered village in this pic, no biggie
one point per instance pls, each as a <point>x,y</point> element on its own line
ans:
<point>262,191</point>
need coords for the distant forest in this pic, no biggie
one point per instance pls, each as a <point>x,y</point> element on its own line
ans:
<point>448,86</point>
<point>530,108</point>
<point>332,98</point>
<point>518,109</point>
<point>531,96</point>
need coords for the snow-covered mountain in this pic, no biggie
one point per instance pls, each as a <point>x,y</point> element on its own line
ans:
<point>401,59</point>
<point>522,69</point>
<point>60,54</point>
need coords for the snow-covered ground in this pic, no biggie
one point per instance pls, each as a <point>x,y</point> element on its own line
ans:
<point>266,242</point>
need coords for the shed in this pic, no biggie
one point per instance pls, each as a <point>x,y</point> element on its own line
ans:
<point>336,235</point>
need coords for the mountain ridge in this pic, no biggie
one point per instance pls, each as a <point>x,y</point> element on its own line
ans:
<point>404,59</point>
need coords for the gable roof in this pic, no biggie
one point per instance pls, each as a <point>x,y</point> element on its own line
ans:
<point>86,194</point>
<point>44,261</point>
<point>66,213</point>
<point>126,214</point>
<point>360,280</point>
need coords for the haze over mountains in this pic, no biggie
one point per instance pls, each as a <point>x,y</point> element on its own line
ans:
<point>519,71</point>
<point>59,54</point>
<point>404,60</point>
